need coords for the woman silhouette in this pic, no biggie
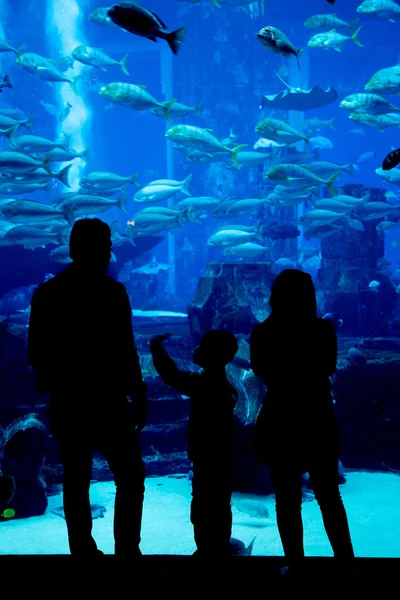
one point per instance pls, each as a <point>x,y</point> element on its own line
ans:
<point>295,353</point>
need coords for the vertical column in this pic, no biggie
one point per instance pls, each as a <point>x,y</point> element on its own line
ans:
<point>167,90</point>
<point>63,26</point>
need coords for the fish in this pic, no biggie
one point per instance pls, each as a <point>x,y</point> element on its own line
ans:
<point>34,144</point>
<point>66,154</point>
<point>133,96</point>
<point>385,81</point>
<point>276,41</point>
<point>247,250</point>
<point>156,193</point>
<point>386,225</point>
<point>327,169</point>
<point>239,549</point>
<point>328,21</point>
<point>287,172</point>
<point>201,139</point>
<point>29,211</point>
<point>380,122</point>
<point>280,231</point>
<point>334,205</point>
<point>7,122</point>
<point>391,160</point>
<point>320,231</point>
<point>367,156</point>
<point>247,160</point>
<point>86,204</point>
<point>30,237</point>
<point>16,162</point>
<point>333,39</point>
<point>280,131</point>
<point>177,109</point>
<point>5,82</point>
<point>41,176</point>
<point>104,180</point>
<point>372,104</point>
<point>231,237</point>
<point>239,207</point>
<point>321,142</point>
<point>100,15</point>
<point>392,176</point>
<point>152,268</point>
<point>96,57</point>
<point>316,124</point>
<point>319,217</point>
<point>357,357</point>
<point>52,74</point>
<point>385,9</point>
<point>141,21</point>
<point>8,513</point>
<point>373,210</point>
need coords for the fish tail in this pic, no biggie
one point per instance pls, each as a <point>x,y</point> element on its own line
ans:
<point>181,218</point>
<point>350,168</point>
<point>134,179</point>
<point>175,39</point>
<point>185,185</point>
<point>85,155</point>
<point>259,233</point>
<point>353,23</point>
<point>11,134</point>
<point>216,3</point>
<point>46,164</point>
<point>233,152</point>
<point>73,82</point>
<point>355,39</point>
<point>198,108</point>
<point>29,122</point>
<point>18,52</point>
<point>63,175</point>
<point>331,123</point>
<point>7,81</point>
<point>307,143</point>
<point>330,181</point>
<point>122,64</point>
<point>166,106</point>
<point>121,202</point>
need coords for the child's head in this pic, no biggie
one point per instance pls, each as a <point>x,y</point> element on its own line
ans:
<point>217,348</point>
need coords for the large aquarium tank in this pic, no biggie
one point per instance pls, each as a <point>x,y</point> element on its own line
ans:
<point>245,139</point>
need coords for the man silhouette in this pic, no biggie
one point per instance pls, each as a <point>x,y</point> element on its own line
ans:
<point>81,346</point>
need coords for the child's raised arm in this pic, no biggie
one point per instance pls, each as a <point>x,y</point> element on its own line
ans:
<point>184,382</point>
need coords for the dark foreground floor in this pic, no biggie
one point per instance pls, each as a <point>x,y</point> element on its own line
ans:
<point>185,577</point>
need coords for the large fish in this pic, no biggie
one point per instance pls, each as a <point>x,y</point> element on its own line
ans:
<point>391,160</point>
<point>143,22</point>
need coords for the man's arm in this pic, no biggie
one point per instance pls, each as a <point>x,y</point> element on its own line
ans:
<point>38,340</point>
<point>184,382</point>
<point>135,385</point>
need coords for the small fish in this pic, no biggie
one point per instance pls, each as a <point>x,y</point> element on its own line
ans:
<point>374,285</point>
<point>143,22</point>
<point>391,160</point>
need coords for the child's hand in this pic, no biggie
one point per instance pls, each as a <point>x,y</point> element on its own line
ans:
<point>158,339</point>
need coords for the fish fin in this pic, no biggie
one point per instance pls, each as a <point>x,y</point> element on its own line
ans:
<point>134,179</point>
<point>216,3</point>
<point>19,52</point>
<point>144,87</point>
<point>158,19</point>
<point>85,155</point>
<point>11,135</point>
<point>175,39</point>
<point>166,106</point>
<point>330,182</point>
<point>63,175</point>
<point>122,64</point>
<point>355,39</point>
<point>73,82</point>
<point>353,23</point>
<point>152,38</point>
<point>29,122</point>
<point>185,185</point>
<point>197,109</point>
<point>233,152</point>
<point>338,49</point>
<point>121,202</point>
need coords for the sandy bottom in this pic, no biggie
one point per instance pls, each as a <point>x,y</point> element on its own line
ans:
<point>372,501</point>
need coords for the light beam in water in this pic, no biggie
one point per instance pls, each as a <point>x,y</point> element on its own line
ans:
<point>64,21</point>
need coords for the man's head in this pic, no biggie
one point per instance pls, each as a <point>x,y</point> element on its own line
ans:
<point>90,244</point>
<point>217,348</point>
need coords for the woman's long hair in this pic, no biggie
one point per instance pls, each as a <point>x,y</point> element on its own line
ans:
<point>293,296</point>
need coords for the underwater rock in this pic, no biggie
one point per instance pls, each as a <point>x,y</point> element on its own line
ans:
<point>230,296</point>
<point>23,453</point>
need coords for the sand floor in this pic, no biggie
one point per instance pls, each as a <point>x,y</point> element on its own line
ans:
<point>372,501</point>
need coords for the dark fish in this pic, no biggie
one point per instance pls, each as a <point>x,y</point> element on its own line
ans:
<point>391,160</point>
<point>281,231</point>
<point>357,357</point>
<point>331,1</point>
<point>239,549</point>
<point>143,22</point>
<point>5,82</point>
